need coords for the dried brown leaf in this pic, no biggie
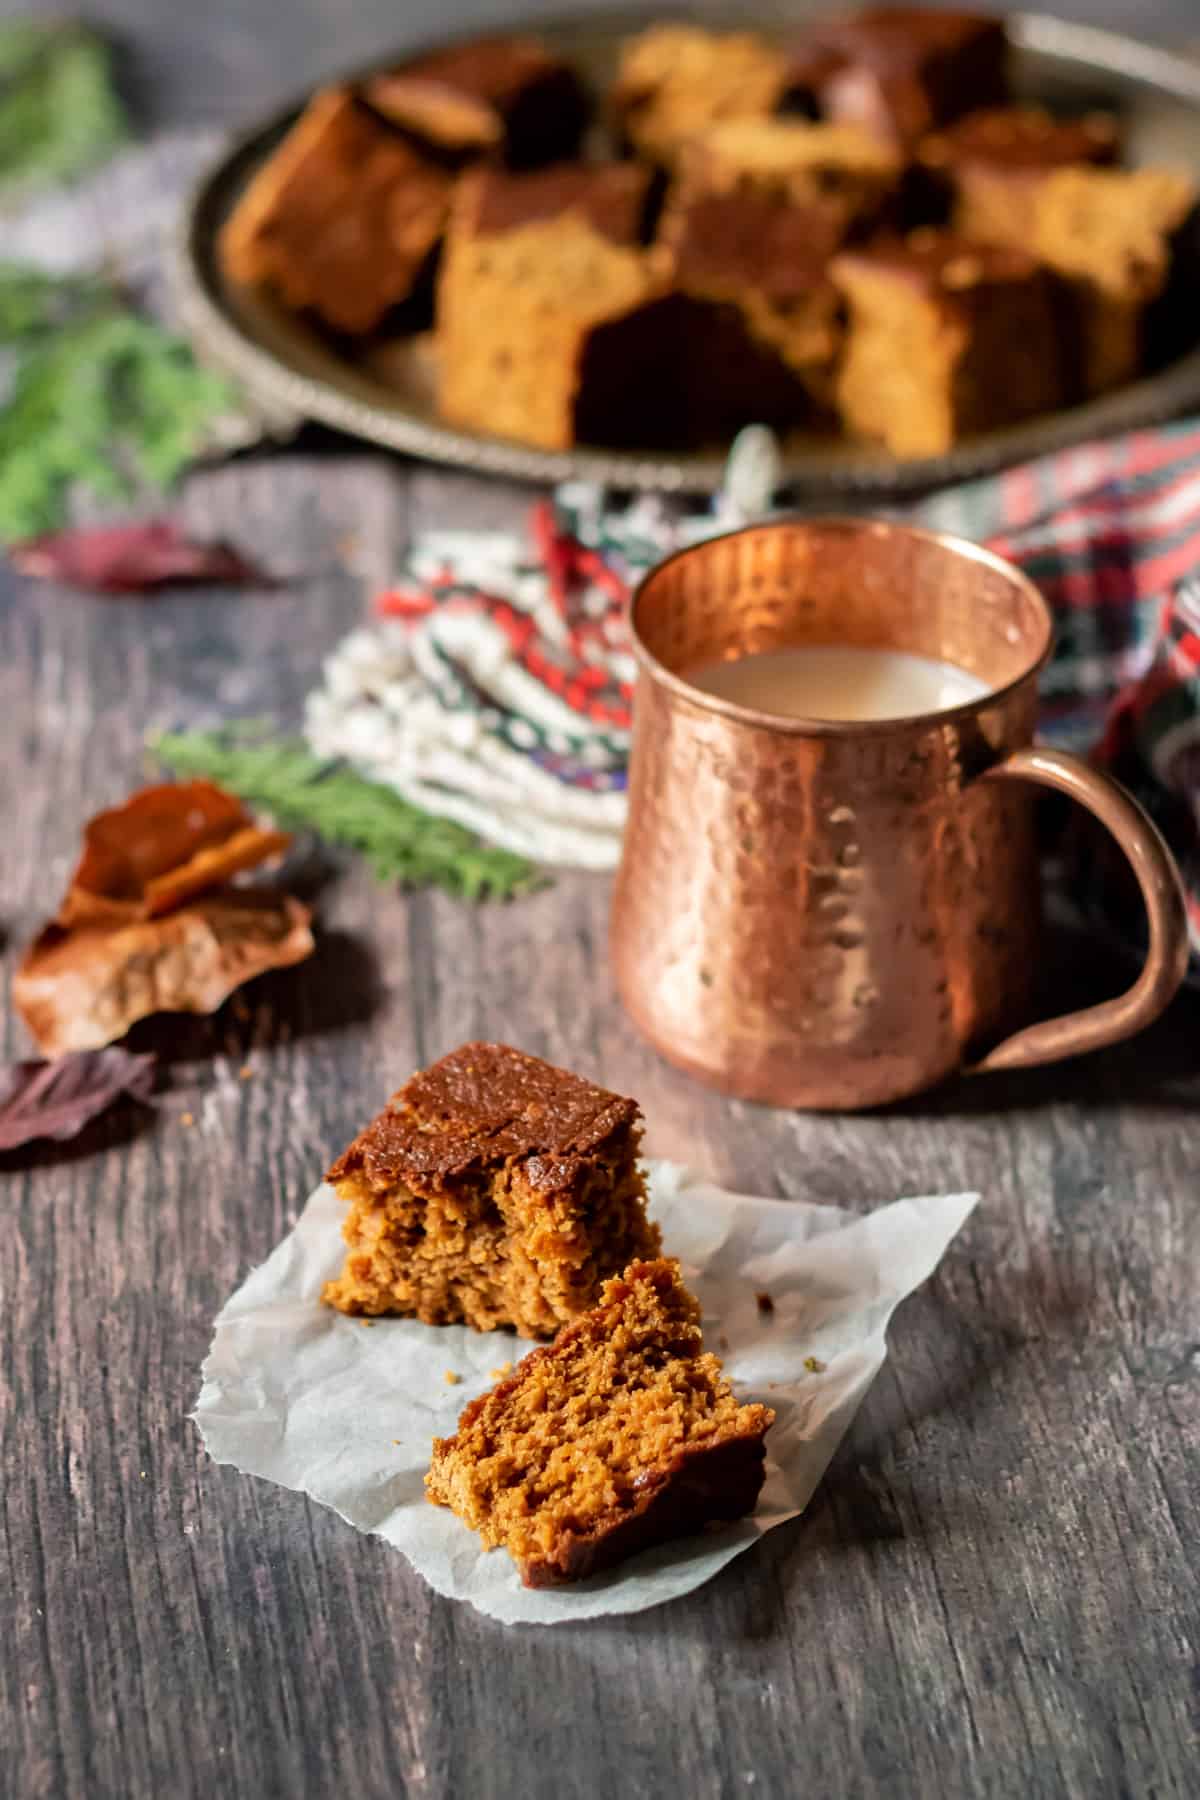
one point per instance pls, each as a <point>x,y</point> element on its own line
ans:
<point>160,848</point>
<point>80,988</point>
<point>57,1099</point>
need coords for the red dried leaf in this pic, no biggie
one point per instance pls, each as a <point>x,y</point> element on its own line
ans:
<point>80,988</point>
<point>160,848</point>
<point>135,558</point>
<point>57,1099</point>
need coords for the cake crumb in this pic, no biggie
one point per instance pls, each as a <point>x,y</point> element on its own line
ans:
<point>245,1072</point>
<point>764,1302</point>
<point>452,1378</point>
<point>723,1341</point>
<point>187,1118</point>
<point>368,1321</point>
<point>814,1365</point>
<point>501,1369</point>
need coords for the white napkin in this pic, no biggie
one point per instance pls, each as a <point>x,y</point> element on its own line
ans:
<point>345,1411</point>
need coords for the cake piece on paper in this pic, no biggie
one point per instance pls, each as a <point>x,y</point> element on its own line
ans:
<point>343,218</point>
<point>993,165</point>
<point>506,97</point>
<point>622,1434</point>
<point>546,327</point>
<point>675,80</point>
<point>899,71</point>
<point>492,1190</point>
<point>946,339</point>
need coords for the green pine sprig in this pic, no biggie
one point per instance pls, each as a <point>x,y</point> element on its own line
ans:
<point>399,841</point>
<point>60,114</point>
<point>98,397</point>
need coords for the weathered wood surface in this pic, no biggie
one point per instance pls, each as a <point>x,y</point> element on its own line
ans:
<point>994,1592</point>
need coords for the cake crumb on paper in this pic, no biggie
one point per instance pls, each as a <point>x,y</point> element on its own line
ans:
<point>764,1302</point>
<point>501,1369</point>
<point>452,1378</point>
<point>814,1365</point>
<point>187,1118</point>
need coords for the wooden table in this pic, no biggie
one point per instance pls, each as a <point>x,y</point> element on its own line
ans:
<point>995,1590</point>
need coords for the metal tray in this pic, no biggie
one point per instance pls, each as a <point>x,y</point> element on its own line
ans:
<point>294,375</point>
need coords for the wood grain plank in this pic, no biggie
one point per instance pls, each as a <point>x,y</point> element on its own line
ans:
<point>994,1591</point>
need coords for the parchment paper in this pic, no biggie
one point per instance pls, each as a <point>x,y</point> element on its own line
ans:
<point>345,1411</point>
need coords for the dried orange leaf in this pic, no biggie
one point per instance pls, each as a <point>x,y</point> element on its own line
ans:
<point>164,845</point>
<point>77,989</point>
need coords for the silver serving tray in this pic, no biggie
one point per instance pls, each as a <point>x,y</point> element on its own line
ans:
<point>293,374</point>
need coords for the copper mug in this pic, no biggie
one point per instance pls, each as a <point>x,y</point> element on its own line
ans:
<point>835,915</point>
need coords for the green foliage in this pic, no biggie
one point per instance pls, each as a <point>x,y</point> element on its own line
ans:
<point>98,396</point>
<point>59,111</point>
<point>400,841</point>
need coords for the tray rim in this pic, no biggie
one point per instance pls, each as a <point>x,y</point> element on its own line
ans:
<point>290,397</point>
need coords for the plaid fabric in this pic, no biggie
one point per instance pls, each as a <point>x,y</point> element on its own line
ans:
<point>1111,535</point>
<point>507,677</point>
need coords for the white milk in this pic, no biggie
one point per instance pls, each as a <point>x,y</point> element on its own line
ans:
<point>833,681</point>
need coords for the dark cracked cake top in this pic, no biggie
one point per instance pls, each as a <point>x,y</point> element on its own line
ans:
<point>754,241</point>
<point>901,38</point>
<point>939,262</point>
<point>486,1104</point>
<point>1022,138</point>
<point>613,197</point>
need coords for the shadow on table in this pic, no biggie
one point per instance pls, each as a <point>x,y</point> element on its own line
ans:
<point>123,1123</point>
<point>1159,1066</point>
<point>337,988</point>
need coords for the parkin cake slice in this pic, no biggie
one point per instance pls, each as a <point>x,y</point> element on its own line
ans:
<point>621,1434</point>
<point>493,1189</point>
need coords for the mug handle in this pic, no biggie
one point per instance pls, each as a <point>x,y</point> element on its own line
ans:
<point>1162,890</point>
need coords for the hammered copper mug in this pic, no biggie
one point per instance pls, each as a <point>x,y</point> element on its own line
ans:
<point>835,915</point>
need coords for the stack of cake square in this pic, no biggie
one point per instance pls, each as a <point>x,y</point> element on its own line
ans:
<point>849,227</point>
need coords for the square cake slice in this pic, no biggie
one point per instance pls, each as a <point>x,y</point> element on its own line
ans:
<point>836,179</point>
<point>547,327</point>
<point>946,338</point>
<point>342,220</point>
<point>750,255</point>
<point>1111,235</point>
<point>675,80</point>
<point>492,1190</point>
<point>621,1434</point>
<point>505,96</point>
<point>899,71</point>
<point>993,165</point>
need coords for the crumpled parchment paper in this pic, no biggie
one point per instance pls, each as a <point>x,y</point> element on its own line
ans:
<point>345,1411</point>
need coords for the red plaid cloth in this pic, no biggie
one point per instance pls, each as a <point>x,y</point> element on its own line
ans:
<point>1111,534</point>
